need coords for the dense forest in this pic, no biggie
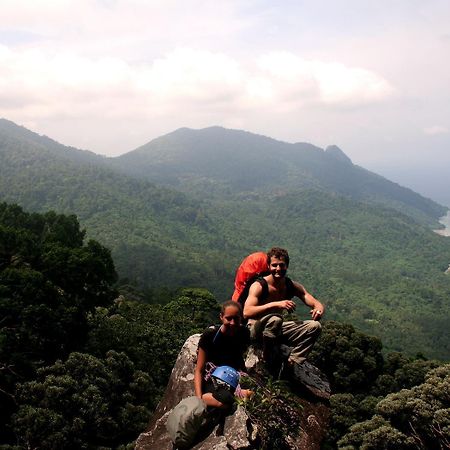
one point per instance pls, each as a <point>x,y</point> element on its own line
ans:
<point>84,361</point>
<point>377,267</point>
<point>81,367</point>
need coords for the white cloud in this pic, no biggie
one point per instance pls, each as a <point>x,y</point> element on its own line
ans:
<point>435,130</point>
<point>325,82</point>
<point>54,81</point>
<point>195,74</point>
<point>112,74</point>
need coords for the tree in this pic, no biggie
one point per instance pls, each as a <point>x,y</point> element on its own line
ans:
<point>50,282</point>
<point>146,332</point>
<point>198,306</point>
<point>351,360</point>
<point>375,434</point>
<point>412,418</point>
<point>84,402</point>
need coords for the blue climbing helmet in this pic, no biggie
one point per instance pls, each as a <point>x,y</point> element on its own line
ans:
<point>227,374</point>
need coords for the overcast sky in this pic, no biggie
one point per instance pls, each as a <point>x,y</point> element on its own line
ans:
<point>371,76</point>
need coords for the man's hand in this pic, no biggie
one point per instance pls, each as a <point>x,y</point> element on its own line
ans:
<point>289,305</point>
<point>316,314</point>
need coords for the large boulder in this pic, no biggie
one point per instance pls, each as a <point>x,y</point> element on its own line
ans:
<point>306,379</point>
<point>238,430</point>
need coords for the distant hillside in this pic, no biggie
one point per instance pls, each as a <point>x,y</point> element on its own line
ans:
<point>136,219</point>
<point>17,136</point>
<point>373,266</point>
<point>217,162</point>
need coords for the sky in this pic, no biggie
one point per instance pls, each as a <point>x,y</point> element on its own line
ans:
<point>372,77</point>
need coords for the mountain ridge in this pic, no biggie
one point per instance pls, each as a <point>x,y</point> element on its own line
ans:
<point>217,161</point>
<point>308,166</point>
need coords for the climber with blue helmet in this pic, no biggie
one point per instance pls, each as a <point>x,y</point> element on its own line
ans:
<point>223,348</point>
<point>226,375</point>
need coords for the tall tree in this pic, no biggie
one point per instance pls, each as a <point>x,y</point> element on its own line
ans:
<point>50,281</point>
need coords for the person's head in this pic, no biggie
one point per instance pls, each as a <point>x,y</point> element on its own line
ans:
<point>279,253</point>
<point>227,375</point>
<point>278,261</point>
<point>231,315</point>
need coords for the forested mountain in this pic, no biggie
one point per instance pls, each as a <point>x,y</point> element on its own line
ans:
<point>138,220</point>
<point>373,266</point>
<point>84,368</point>
<point>215,161</point>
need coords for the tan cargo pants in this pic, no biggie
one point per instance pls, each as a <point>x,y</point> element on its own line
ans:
<point>299,335</point>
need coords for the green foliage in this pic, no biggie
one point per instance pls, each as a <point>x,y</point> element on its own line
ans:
<point>140,331</point>
<point>360,376</point>
<point>376,434</point>
<point>402,372</point>
<point>83,402</point>
<point>351,360</point>
<point>197,306</point>
<point>146,332</point>
<point>346,410</point>
<point>158,296</point>
<point>412,418</point>
<point>56,297</point>
<point>271,401</point>
<point>50,281</point>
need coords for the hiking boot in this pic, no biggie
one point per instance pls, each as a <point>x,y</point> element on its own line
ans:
<point>287,370</point>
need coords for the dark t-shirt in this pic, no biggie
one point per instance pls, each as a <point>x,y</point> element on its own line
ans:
<point>223,350</point>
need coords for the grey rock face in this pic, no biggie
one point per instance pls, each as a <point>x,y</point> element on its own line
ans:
<point>309,377</point>
<point>236,431</point>
<point>312,379</point>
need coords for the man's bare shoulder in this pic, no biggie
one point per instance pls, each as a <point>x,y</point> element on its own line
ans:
<point>299,289</point>
<point>256,288</point>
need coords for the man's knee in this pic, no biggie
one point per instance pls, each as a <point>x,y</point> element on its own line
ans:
<point>314,327</point>
<point>272,329</point>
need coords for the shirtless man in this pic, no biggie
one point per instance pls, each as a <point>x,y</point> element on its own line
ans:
<point>267,300</point>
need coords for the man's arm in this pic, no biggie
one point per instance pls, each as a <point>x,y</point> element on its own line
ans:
<point>253,309</point>
<point>317,309</point>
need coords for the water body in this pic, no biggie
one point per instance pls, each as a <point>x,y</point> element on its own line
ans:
<point>445,220</point>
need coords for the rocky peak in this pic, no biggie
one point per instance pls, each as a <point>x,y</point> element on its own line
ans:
<point>335,152</point>
<point>237,431</point>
